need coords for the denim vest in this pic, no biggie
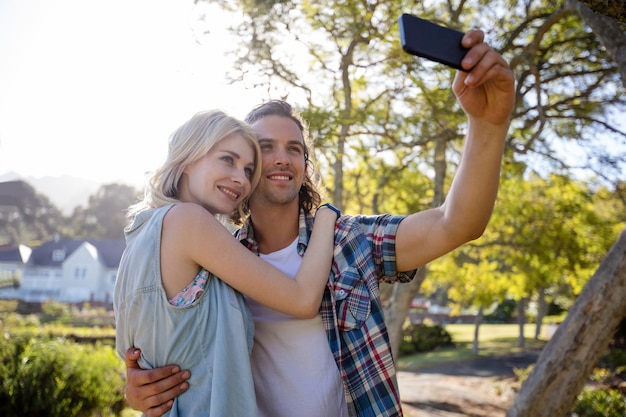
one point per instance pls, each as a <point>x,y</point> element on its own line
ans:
<point>212,337</point>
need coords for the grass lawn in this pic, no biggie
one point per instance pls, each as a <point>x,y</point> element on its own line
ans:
<point>493,339</point>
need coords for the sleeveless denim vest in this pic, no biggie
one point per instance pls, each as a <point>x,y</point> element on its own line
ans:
<point>212,337</point>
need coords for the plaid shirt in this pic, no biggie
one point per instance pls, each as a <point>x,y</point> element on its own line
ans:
<point>351,308</point>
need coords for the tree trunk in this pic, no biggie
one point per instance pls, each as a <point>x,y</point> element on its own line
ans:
<point>569,357</point>
<point>477,321</point>
<point>397,308</point>
<point>541,311</point>
<point>610,33</point>
<point>613,8</point>
<point>521,321</point>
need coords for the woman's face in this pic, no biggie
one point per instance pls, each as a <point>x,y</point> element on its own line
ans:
<point>220,179</point>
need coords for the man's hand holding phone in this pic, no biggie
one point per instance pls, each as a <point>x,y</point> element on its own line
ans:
<point>425,39</point>
<point>485,84</point>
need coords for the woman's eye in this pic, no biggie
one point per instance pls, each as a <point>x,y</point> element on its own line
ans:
<point>249,172</point>
<point>228,159</point>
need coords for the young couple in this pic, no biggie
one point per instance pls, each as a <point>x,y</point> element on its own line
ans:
<point>337,363</point>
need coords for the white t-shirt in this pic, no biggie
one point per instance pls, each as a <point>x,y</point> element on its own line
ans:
<point>293,368</point>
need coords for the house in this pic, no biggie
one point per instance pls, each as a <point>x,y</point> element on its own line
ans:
<point>66,270</point>
<point>13,258</point>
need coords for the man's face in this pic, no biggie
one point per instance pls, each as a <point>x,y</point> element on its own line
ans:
<point>282,161</point>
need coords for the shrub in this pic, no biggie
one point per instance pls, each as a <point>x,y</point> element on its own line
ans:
<point>600,403</point>
<point>8,306</point>
<point>59,378</point>
<point>28,308</point>
<point>14,320</point>
<point>54,311</point>
<point>615,358</point>
<point>422,338</point>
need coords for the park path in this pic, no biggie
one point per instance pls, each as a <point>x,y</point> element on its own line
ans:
<point>476,388</point>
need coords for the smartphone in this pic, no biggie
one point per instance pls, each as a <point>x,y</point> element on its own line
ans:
<point>427,40</point>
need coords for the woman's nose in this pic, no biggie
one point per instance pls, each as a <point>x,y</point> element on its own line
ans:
<point>240,176</point>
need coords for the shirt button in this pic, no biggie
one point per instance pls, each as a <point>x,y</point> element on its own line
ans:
<point>342,292</point>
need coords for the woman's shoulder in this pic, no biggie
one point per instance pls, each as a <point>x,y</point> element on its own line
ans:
<point>186,209</point>
<point>188,215</point>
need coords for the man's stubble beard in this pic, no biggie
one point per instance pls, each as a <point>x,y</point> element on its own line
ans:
<point>274,196</point>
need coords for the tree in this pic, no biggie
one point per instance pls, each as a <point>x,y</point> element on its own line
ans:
<point>27,217</point>
<point>546,236</point>
<point>566,361</point>
<point>104,217</point>
<point>600,17</point>
<point>615,9</point>
<point>366,100</point>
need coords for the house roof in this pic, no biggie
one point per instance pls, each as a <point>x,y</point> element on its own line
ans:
<point>54,252</point>
<point>110,251</point>
<point>14,253</point>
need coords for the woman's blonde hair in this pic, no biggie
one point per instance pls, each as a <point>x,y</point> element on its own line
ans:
<point>187,144</point>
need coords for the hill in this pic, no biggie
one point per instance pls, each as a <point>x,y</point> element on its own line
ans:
<point>65,192</point>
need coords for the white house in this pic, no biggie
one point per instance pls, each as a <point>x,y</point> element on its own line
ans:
<point>13,259</point>
<point>68,270</point>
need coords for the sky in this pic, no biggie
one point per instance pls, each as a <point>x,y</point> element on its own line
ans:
<point>93,89</point>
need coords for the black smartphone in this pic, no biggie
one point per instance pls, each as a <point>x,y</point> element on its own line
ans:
<point>427,40</point>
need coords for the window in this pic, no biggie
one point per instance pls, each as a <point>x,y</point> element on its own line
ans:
<point>58,255</point>
<point>80,272</point>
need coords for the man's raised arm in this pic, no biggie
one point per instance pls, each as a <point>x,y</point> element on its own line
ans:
<point>487,95</point>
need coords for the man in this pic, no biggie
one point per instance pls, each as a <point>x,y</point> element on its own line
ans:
<point>367,249</point>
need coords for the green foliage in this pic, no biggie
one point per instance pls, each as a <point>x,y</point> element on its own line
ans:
<point>605,399</point>
<point>503,312</point>
<point>522,373</point>
<point>422,338</point>
<point>27,216</point>
<point>59,378</point>
<point>600,403</point>
<point>105,216</point>
<point>616,359</point>
<point>15,320</point>
<point>365,98</point>
<point>54,311</point>
<point>30,218</point>
<point>545,233</point>
<point>8,306</point>
<point>86,325</point>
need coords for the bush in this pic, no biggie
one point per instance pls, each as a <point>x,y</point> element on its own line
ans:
<point>600,403</point>
<point>8,306</point>
<point>14,320</point>
<point>59,378</point>
<point>422,338</point>
<point>53,311</point>
<point>615,358</point>
<point>28,308</point>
